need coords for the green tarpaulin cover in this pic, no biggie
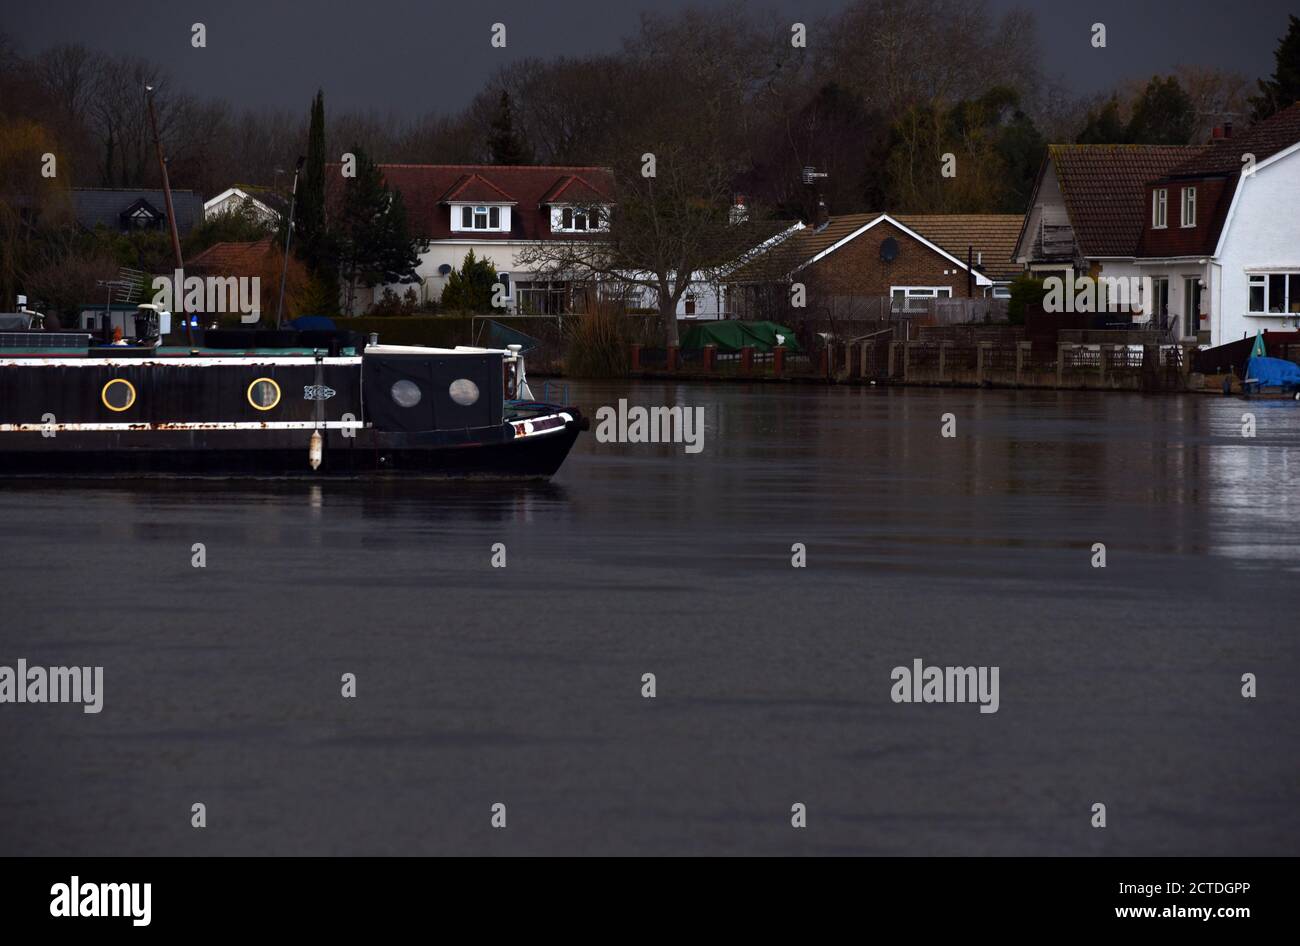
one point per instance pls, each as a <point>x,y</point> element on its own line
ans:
<point>731,336</point>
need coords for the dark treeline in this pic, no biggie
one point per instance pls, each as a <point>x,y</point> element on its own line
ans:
<point>876,93</point>
<point>878,96</point>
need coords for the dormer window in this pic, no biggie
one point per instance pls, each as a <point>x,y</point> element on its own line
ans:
<point>1189,206</point>
<point>1160,208</point>
<point>576,219</point>
<point>480,217</point>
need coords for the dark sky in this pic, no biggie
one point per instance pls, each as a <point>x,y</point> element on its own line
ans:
<point>414,57</point>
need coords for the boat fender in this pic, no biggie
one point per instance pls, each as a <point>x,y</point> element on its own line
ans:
<point>314,451</point>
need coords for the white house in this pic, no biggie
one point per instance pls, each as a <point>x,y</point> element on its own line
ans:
<point>497,212</point>
<point>1214,228</point>
<point>265,205</point>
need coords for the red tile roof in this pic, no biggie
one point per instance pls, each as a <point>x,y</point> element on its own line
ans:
<point>234,259</point>
<point>475,189</point>
<point>426,188</point>
<point>571,190</point>
<point>1104,187</point>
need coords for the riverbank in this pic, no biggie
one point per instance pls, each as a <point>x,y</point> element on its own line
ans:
<point>1070,366</point>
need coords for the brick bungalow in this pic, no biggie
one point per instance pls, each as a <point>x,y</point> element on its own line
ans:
<point>908,259</point>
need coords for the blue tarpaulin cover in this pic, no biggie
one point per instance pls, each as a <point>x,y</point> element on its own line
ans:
<point>1273,373</point>
<point>313,323</point>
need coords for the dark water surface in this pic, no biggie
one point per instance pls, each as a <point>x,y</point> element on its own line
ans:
<point>522,685</point>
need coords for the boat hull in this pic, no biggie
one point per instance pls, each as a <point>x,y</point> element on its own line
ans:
<point>416,412</point>
<point>72,454</point>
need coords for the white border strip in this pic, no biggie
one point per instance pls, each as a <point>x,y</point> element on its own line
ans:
<point>193,425</point>
<point>180,361</point>
<point>524,428</point>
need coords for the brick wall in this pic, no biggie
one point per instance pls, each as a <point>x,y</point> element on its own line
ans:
<point>857,269</point>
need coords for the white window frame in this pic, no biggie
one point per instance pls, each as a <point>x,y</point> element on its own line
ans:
<point>922,292</point>
<point>1160,208</point>
<point>480,218</point>
<point>593,218</point>
<point>1189,207</point>
<point>1290,304</point>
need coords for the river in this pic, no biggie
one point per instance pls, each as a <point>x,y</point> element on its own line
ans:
<point>522,685</point>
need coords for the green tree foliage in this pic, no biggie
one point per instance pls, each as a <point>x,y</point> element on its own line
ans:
<point>1163,114</point>
<point>1025,291</point>
<point>505,144</point>
<point>311,239</point>
<point>1104,126</point>
<point>469,289</point>
<point>370,236</point>
<point>996,149</point>
<point>242,225</point>
<point>1283,89</point>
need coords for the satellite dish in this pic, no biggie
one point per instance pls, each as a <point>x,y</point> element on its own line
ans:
<point>889,249</point>
<point>444,269</point>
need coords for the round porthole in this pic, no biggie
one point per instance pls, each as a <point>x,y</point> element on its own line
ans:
<point>463,391</point>
<point>264,394</point>
<point>118,395</point>
<point>406,393</point>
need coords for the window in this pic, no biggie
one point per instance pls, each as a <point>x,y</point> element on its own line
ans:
<point>480,218</point>
<point>264,394</point>
<point>405,393</point>
<point>913,298</point>
<point>1274,294</point>
<point>1160,208</point>
<point>578,219</point>
<point>118,395</point>
<point>464,392</point>
<point>1189,206</point>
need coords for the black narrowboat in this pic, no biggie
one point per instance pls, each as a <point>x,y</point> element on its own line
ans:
<point>271,403</point>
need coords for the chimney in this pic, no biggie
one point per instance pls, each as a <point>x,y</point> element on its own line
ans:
<point>1227,129</point>
<point>739,212</point>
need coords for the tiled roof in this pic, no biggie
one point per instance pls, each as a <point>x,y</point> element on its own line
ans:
<point>104,206</point>
<point>1263,140</point>
<point>234,259</point>
<point>992,238</point>
<point>991,235</point>
<point>424,187</point>
<point>571,189</point>
<point>475,189</point>
<point>1104,187</point>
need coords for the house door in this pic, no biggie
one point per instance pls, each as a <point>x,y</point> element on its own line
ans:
<point>1191,306</point>
<point>1160,302</point>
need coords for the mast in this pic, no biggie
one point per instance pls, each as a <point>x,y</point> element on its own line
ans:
<point>288,236</point>
<point>178,292</point>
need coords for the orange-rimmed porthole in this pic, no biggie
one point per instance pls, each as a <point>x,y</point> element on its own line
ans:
<point>264,394</point>
<point>118,395</point>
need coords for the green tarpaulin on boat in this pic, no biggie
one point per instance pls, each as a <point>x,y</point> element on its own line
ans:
<point>732,336</point>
